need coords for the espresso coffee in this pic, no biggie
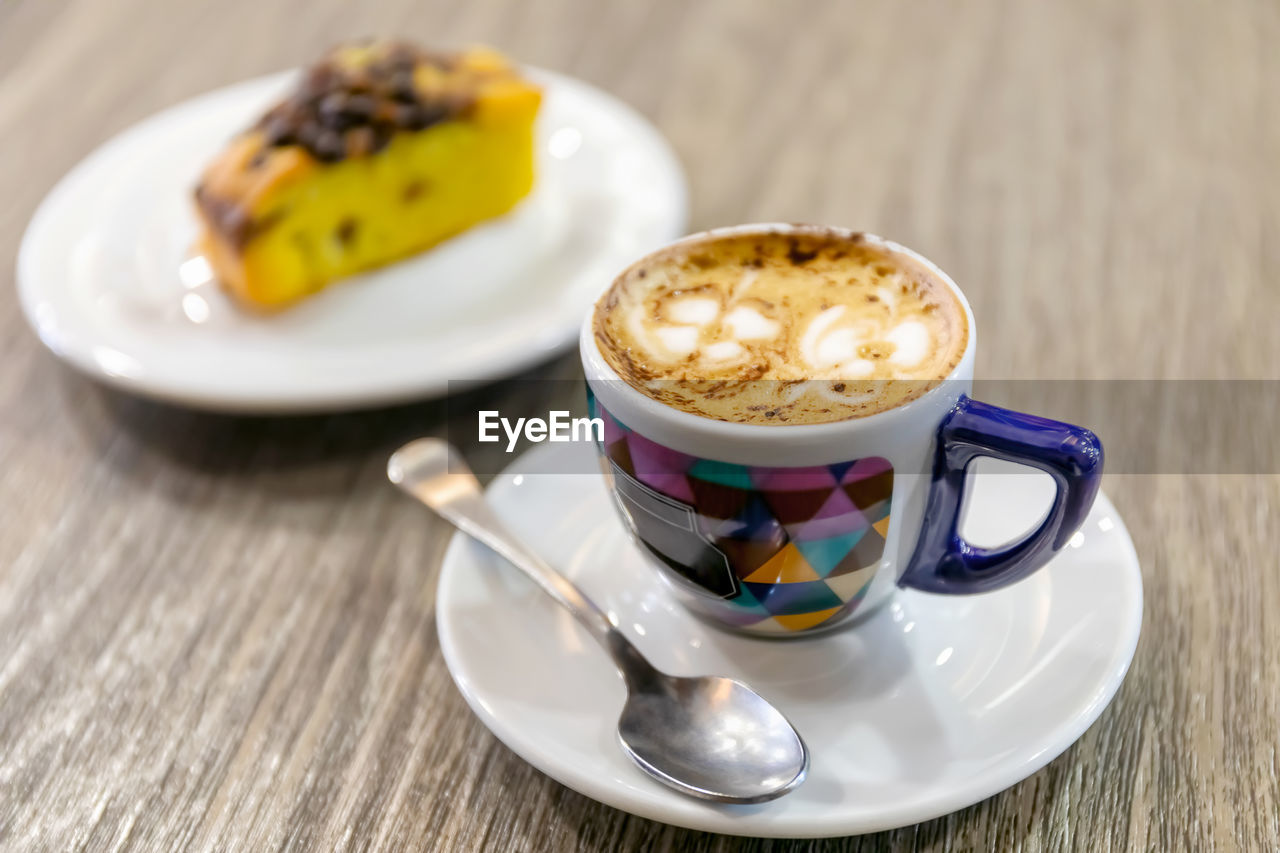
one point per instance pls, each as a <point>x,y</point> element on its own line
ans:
<point>796,327</point>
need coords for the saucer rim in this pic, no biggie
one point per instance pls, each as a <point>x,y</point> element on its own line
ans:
<point>727,820</point>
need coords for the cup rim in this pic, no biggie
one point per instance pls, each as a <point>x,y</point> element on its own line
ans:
<point>598,370</point>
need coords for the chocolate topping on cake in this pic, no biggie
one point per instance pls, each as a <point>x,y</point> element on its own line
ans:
<point>350,105</point>
<point>347,107</point>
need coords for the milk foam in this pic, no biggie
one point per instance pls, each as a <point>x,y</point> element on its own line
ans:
<point>781,327</point>
<point>912,343</point>
<point>696,310</point>
<point>748,324</point>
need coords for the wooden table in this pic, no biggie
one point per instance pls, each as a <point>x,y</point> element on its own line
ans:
<point>217,632</point>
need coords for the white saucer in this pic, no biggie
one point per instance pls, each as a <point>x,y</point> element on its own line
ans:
<point>102,277</point>
<point>931,704</point>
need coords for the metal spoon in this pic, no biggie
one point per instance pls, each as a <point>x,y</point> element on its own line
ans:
<point>709,737</point>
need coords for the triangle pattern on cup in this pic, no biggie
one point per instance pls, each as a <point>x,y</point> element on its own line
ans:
<point>788,565</point>
<point>824,555</point>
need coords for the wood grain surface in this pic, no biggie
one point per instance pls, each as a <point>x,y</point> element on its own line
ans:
<point>217,633</point>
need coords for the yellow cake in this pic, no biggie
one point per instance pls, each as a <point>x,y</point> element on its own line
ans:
<point>382,151</point>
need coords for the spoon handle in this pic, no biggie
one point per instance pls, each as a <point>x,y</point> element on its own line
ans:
<point>434,472</point>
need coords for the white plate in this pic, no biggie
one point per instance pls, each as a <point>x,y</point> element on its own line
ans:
<point>930,705</point>
<point>102,277</point>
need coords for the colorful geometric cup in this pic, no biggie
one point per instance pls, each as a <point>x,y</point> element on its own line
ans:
<point>792,529</point>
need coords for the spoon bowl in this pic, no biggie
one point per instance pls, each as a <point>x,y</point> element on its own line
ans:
<point>712,738</point>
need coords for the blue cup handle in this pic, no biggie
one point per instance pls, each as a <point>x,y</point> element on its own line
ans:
<point>943,562</point>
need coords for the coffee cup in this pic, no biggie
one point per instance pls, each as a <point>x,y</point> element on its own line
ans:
<point>806,519</point>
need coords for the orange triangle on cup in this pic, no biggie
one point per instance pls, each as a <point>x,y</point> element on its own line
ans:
<point>801,621</point>
<point>786,566</point>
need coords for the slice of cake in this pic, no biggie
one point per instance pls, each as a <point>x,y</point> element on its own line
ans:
<point>382,151</point>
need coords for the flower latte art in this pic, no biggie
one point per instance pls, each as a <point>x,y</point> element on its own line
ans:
<point>803,326</point>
